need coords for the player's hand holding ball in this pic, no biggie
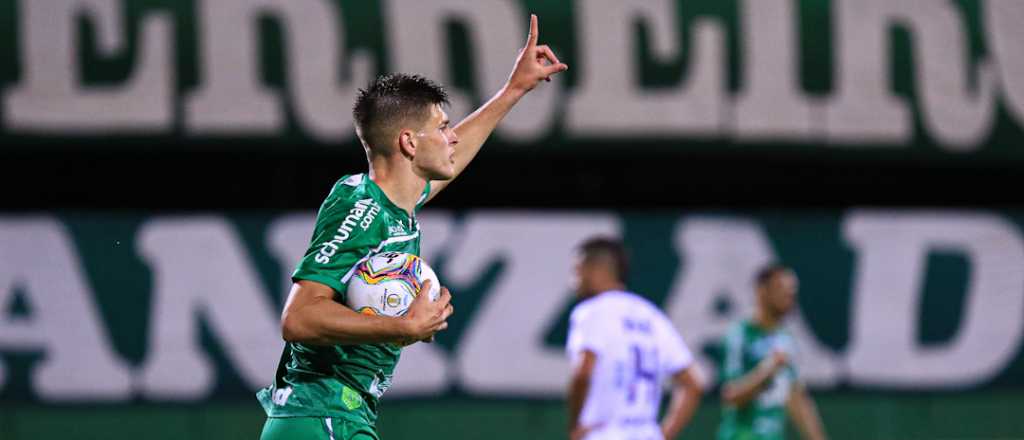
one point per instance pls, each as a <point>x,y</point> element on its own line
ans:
<point>426,317</point>
<point>403,286</point>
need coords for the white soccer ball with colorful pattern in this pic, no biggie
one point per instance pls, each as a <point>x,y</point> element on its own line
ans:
<point>386,283</point>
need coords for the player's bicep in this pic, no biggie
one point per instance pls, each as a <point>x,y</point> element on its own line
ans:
<point>583,366</point>
<point>300,308</point>
<point>305,292</point>
<point>688,377</point>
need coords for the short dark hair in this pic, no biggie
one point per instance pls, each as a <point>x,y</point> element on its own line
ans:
<point>768,272</point>
<point>391,100</point>
<point>613,248</point>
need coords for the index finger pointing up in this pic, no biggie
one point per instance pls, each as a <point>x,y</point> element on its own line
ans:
<point>531,41</point>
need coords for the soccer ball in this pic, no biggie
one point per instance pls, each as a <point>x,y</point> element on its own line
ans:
<point>386,283</point>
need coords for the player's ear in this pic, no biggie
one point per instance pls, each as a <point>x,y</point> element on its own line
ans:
<point>407,143</point>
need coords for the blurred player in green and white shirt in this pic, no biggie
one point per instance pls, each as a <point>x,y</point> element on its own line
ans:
<point>761,383</point>
<point>337,362</point>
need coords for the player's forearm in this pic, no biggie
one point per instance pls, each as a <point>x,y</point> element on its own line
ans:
<point>326,322</point>
<point>478,126</point>
<point>579,386</point>
<point>680,411</point>
<point>805,416</point>
<point>741,391</point>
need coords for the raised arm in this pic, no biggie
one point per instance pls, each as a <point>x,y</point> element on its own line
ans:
<point>686,394</point>
<point>804,413</point>
<point>534,64</point>
<point>312,316</point>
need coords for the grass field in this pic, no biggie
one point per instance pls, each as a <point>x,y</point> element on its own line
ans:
<point>995,415</point>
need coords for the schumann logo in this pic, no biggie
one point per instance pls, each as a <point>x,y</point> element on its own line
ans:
<point>362,214</point>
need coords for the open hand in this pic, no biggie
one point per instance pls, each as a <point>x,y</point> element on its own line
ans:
<point>535,63</point>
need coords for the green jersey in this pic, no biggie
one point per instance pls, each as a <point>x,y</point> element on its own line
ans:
<point>355,221</point>
<point>764,417</point>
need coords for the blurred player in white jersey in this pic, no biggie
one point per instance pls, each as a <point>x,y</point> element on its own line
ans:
<point>623,348</point>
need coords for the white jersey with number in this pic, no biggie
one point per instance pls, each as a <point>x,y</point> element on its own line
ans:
<point>637,349</point>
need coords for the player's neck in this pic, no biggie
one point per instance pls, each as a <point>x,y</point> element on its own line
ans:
<point>607,287</point>
<point>766,321</point>
<point>402,186</point>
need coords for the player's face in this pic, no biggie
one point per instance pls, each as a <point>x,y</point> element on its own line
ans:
<point>435,147</point>
<point>582,280</point>
<point>780,293</point>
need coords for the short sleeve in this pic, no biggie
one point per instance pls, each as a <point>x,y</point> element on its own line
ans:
<point>787,344</point>
<point>335,247</point>
<point>585,333</point>
<point>675,355</point>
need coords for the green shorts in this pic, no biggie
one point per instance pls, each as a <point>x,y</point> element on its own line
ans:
<point>318,428</point>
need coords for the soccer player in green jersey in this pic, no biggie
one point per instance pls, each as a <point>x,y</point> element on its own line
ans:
<point>337,362</point>
<point>760,381</point>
